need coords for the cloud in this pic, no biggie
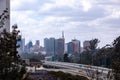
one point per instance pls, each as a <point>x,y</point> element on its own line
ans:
<point>86,5</point>
<point>83,19</point>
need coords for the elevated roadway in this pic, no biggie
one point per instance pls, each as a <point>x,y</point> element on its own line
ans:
<point>78,69</point>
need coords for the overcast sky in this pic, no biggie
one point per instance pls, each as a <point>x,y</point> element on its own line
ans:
<point>80,19</point>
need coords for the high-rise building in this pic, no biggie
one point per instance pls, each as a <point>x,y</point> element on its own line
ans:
<point>70,48</point>
<point>5,4</point>
<point>37,43</point>
<point>55,47</point>
<point>21,44</point>
<point>49,45</point>
<point>28,46</point>
<point>76,46</point>
<point>73,47</point>
<point>59,48</point>
<point>86,45</point>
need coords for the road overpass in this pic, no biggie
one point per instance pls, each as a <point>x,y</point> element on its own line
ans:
<point>79,69</point>
<point>75,69</point>
<point>67,65</point>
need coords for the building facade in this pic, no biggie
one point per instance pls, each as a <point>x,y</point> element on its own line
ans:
<point>59,48</point>
<point>86,45</point>
<point>77,46</point>
<point>28,46</point>
<point>37,43</point>
<point>49,44</point>
<point>74,47</point>
<point>21,44</point>
<point>70,48</point>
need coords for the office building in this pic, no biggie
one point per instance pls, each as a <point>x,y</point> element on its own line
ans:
<point>55,47</point>
<point>49,45</point>
<point>86,45</point>
<point>59,48</point>
<point>21,44</point>
<point>37,43</point>
<point>73,47</point>
<point>76,46</point>
<point>70,48</point>
<point>28,46</point>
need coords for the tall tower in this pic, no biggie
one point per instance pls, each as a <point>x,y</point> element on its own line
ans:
<point>5,4</point>
<point>37,43</point>
<point>49,44</point>
<point>63,34</point>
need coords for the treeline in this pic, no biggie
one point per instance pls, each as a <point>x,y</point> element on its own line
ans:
<point>66,76</point>
<point>107,56</point>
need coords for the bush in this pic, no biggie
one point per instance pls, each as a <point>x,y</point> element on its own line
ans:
<point>66,76</point>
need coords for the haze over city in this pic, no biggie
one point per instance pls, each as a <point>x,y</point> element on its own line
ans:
<point>80,19</point>
<point>61,40</point>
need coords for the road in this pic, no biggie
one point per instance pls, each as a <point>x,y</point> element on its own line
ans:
<point>79,69</point>
<point>73,68</point>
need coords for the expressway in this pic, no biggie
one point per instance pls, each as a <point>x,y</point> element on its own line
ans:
<point>71,71</point>
<point>73,68</point>
<point>78,69</point>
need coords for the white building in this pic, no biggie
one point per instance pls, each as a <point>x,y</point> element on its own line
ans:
<point>86,45</point>
<point>3,5</point>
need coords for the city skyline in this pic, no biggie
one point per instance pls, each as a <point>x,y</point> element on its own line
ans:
<point>83,20</point>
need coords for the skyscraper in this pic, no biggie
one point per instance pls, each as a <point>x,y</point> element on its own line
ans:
<point>37,43</point>
<point>70,48</point>
<point>5,4</point>
<point>59,48</point>
<point>55,47</point>
<point>28,46</point>
<point>21,43</point>
<point>73,47</point>
<point>49,45</point>
<point>86,45</point>
<point>76,46</point>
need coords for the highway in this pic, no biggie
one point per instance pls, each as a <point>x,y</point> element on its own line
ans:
<point>73,68</point>
<point>71,71</point>
<point>78,69</point>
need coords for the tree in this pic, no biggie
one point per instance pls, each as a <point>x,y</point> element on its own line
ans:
<point>103,56</point>
<point>116,58</point>
<point>66,58</point>
<point>9,58</point>
<point>11,67</point>
<point>87,56</point>
<point>93,44</point>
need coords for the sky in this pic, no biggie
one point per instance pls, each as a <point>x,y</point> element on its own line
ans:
<point>79,19</point>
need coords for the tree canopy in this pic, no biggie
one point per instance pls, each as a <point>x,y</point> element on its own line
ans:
<point>11,66</point>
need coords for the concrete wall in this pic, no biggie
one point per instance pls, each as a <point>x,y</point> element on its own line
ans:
<point>3,5</point>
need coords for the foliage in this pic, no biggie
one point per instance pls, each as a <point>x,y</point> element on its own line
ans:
<point>87,56</point>
<point>66,58</point>
<point>93,44</point>
<point>103,57</point>
<point>67,76</point>
<point>11,67</point>
<point>116,58</point>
